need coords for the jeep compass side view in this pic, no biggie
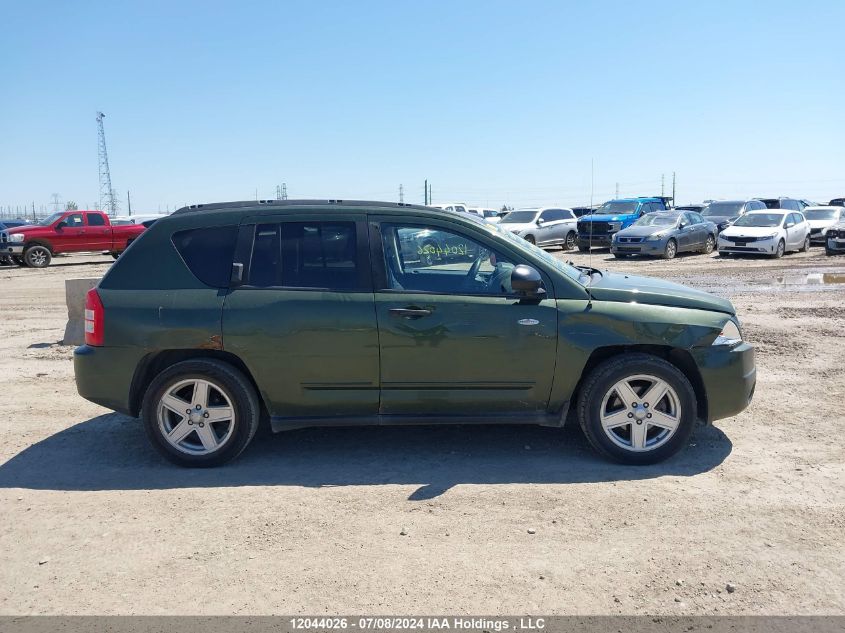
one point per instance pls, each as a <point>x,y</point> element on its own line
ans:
<point>318,313</point>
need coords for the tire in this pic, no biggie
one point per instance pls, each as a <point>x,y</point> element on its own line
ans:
<point>670,250</point>
<point>115,255</point>
<point>571,240</point>
<point>530,239</point>
<point>620,255</point>
<point>806,247</point>
<point>37,256</point>
<point>781,249</point>
<point>583,249</point>
<point>709,245</point>
<point>599,393</point>
<point>18,260</point>
<point>829,252</point>
<point>227,390</point>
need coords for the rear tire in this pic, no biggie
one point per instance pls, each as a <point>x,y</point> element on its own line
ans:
<point>37,256</point>
<point>636,437</point>
<point>206,437</point>
<point>530,239</point>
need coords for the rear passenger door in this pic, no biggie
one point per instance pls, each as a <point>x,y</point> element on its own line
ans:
<point>699,229</point>
<point>553,230</point>
<point>98,233</point>
<point>302,318</point>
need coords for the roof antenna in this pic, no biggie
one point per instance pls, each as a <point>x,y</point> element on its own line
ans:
<point>590,245</point>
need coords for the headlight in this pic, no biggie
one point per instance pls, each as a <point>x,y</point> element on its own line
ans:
<point>730,334</point>
<point>771,237</point>
<point>16,237</point>
<point>655,237</point>
<point>615,226</point>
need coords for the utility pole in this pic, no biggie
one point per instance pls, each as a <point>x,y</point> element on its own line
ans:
<point>430,201</point>
<point>107,199</point>
<point>401,194</point>
<point>128,202</point>
<point>662,184</point>
<point>674,201</point>
<point>617,191</point>
<point>425,192</point>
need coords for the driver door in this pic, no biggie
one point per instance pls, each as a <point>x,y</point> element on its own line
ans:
<point>454,339</point>
<point>70,234</point>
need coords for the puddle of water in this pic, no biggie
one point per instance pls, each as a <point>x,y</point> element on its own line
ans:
<point>807,279</point>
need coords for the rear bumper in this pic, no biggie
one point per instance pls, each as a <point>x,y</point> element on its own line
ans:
<point>104,375</point>
<point>729,375</point>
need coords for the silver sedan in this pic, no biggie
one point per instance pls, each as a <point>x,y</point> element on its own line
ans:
<point>665,235</point>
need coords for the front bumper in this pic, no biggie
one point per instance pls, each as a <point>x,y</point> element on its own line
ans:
<point>835,245</point>
<point>104,375</point>
<point>729,375</point>
<point>7,248</point>
<point>595,240</point>
<point>639,248</point>
<point>760,247</point>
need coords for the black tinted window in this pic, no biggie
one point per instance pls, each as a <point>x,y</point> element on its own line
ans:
<point>553,215</point>
<point>319,255</point>
<point>264,267</point>
<point>208,253</point>
<point>95,219</point>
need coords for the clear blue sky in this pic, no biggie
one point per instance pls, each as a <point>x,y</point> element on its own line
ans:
<point>493,102</point>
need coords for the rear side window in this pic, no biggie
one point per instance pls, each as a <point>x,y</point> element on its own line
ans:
<point>305,255</point>
<point>208,253</point>
<point>95,219</point>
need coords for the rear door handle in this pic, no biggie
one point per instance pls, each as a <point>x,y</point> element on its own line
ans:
<point>409,313</point>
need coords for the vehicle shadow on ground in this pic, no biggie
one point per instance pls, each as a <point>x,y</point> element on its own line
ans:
<point>111,452</point>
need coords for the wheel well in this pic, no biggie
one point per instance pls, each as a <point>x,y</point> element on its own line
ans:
<point>38,242</point>
<point>680,358</point>
<point>153,364</point>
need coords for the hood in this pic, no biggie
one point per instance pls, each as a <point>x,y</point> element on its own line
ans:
<point>23,229</point>
<point>606,217</point>
<point>750,231</point>
<point>821,224</point>
<point>645,231</point>
<point>652,291</point>
<point>514,227</point>
<point>718,219</point>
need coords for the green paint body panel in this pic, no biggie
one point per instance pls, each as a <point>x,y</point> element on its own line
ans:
<point>326,357</point>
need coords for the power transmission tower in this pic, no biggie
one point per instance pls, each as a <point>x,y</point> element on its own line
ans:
<point>57,202</point>
<point>282,191</point>
<point>674,201</point>
<point>108,203</point>
<point>401,194</point>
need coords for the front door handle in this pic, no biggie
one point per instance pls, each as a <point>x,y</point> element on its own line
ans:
<point>409,313</point>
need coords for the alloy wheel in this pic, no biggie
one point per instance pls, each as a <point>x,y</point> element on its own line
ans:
<point>640,413</point>
<point>709,245</point>
<point>196,416</point>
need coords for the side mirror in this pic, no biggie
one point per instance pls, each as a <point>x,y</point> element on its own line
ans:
<point>683,225</point>
<point>527,282</point>
<point>789,225</point>
<point>61,225</point>
<point>540,221</point>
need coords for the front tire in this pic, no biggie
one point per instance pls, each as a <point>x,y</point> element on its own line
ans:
<point>709,245</point>
<point>781,249</point>
<point>583,249</point>
<point>530,239</point>
<point>37,256</point>
<point>200,413</point>
<point>571,240</point>
<point>806,247</point>
<point>637,409</point>
<point>671,249</point>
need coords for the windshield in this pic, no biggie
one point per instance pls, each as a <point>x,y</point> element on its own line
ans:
<point>48,221</point>
<point>821,214</point>
<point>722,209</point>
<point>519,217</point>
<point>570,271</point>
<point>614,207</point>
<point>656,219</point>
<point>760,219</point>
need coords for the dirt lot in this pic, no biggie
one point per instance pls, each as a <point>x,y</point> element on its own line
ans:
<point>312,521</point>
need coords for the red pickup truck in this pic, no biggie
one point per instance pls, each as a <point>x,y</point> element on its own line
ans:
<point>66,232</point>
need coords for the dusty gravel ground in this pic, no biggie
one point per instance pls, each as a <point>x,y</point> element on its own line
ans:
<point>312,521</point>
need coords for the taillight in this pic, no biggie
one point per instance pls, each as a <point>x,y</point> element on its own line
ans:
<point>94,318</point>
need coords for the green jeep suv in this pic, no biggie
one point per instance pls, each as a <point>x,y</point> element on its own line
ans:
<point>324,313</point>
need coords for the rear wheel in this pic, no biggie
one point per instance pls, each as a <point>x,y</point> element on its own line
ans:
<point>671,250</point>
<point>709,245</point>
<point>200,413</point>
<point>530,239</point>
<point>571,240</point>
<point>637,409</point>
<point>37,256</point>
<point>806,246</point>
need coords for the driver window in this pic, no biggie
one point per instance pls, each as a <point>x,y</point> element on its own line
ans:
<point>73,221</point>
<point>430,259</point>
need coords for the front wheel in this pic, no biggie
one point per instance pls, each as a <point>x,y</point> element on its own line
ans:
<point>37,256</point>
<point>781,249</point>
<point>530,239</point>
<point>671,250</point>
<point>637,409</point>
<point>200,413</point>
<point>709,245</point>
<point>571,240</point>
<point>583,249</point>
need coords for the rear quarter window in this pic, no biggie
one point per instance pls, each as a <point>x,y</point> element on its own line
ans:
<point>208,252</point>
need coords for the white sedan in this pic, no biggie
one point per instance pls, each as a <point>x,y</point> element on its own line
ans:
<point>771,232</point>
<point>821,219</point>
